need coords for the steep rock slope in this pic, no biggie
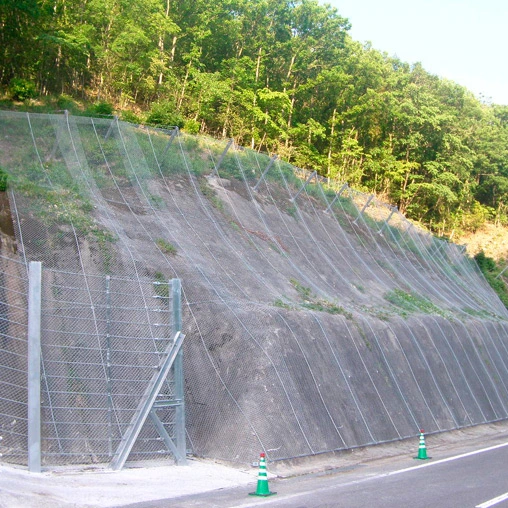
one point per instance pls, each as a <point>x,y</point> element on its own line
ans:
<point>316,318</point>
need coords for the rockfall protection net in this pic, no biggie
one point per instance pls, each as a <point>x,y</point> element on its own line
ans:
<point>316,317</point>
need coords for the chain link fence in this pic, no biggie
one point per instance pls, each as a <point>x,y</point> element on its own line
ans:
<point>103,338</point>
<point>316,317</point>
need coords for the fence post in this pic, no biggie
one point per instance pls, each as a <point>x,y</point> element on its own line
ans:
<point>176,293</point>
<point>221,158</point>
<point>34,366</point>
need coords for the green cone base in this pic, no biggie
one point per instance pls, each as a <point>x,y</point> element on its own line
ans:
<point>262,495</point>
<point>422,458</point>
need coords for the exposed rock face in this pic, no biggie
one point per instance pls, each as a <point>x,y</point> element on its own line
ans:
<point>308,328</point>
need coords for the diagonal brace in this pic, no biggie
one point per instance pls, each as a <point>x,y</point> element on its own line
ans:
<point>147,402</point>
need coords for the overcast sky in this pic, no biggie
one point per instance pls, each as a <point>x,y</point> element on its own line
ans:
<point>462,40</point>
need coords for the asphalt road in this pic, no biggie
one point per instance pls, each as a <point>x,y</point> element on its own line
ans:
<point>472,479</point>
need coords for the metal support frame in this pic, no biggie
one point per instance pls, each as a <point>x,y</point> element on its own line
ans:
<point>176,291</point>
<point>501,272</point>
<point>337,196</point>
<point>262,177</point>
<point>221,158</point>
<point>309,178</point>
<point>56,144</point>
<point>174,133</point>
<point>113,122</point>
<point>394,209</point>
<point>146,404</point>
<point>371,197</point>
<point>34,366</point>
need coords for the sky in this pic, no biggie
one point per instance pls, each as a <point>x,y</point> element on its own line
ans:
<point>465,41</point>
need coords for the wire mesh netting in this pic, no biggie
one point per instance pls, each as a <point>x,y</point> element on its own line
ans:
<point>316,317</point>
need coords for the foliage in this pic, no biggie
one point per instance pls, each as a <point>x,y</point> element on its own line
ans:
<point>411,302</point>
<point>165,246</point>
<point>280,77</point>
<point>164,114</point>
<point>102,108</point>
<point>22,89</point>
<point>491,271</point>
<point>311,302</point>
<point>210,194</point>
<point>3,180</point>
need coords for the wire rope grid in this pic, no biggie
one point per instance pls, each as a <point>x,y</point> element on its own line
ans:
<point>346,286</point>
<point>432,375</point>
<point>456,259</point>
<point>494,359</point>
<point>13,364</point>
<point>145,295</point>
<point>439,249</point>
<point>458,364</point>
<point>385,358</point>
<point>167,260</point>
<point>481,373</point>
<point>320,395</point>
<point>453,298</point>
<point>323,330</point>
<point>461,291</point>
<point>368,230</point>
<point>445,402</point>
<point>20,234</point>
<point>457,294</point>
<point>461,311</point>
<point>416,273</point>
<point>441,358</point>
<point>95,319</point>
<point>412,361</point>
<point>442,398</point>
<point>416,276</point>
<point>43,120</point>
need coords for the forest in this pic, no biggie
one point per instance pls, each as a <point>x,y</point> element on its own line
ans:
<point>278,76</point>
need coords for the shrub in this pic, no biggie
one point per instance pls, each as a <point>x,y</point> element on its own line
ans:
<point>22,89</point>
<point>3,180</point>
<point>129,116</point>
<point>164,114</point>
<point>192,126</point>
<point>66,102</point>
<point>101,108</point>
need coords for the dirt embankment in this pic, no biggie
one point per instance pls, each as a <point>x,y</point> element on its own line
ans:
<point>493,240</point>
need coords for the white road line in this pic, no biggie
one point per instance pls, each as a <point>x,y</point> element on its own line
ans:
<point>449,459</point>
<point>492,502</point>
<point>268,501</point>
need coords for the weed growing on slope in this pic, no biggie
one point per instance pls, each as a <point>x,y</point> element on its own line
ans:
<point>161,285</point>
<point>311,302</point>
<point>412,302</point>
<point>211,195</point>
<point>165,246</point>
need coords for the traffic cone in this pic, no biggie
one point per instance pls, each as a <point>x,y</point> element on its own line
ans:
<point>422,450</point>
<point>262,488</point>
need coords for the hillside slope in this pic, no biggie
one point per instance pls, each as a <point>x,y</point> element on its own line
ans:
<point>316,318</point>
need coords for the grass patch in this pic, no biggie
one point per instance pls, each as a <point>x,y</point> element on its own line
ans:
<point>166,247</point>
<point>210,194</point>
<point>412,302</point>
<point>279,302</point>
<point>161,285</point>
<point>311,302</point>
